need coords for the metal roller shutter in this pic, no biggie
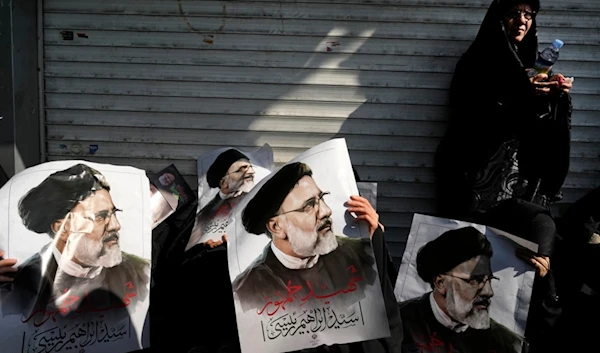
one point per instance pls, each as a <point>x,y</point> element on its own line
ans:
<point>153,82</point>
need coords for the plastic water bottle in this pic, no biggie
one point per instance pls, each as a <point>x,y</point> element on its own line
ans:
<point>546,59</point>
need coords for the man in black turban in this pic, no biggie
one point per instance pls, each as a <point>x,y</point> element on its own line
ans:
<point>233,174</point>
<point>75,209</point>
<point>454,316</point>
<point>304,261</point>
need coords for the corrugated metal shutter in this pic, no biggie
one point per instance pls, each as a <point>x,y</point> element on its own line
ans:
<point>149,83</point>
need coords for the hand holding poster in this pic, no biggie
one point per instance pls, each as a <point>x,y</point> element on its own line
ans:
<point>302,267</point>
<point>81,232</point>
<point>462,288</point>
<point>225,176</point>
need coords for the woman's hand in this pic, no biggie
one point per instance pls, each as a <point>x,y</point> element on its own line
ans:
<point>564,84</point>
<point>214,243</point>
<point>6,266</point>
<point>542,85</point>
<point>364,211</point>
<point>541,263</point>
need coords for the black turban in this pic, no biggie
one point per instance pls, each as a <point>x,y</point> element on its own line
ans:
<point>265,204</point>
<point>450,250</point>
<point>220,166</point>
<point>57,195</point>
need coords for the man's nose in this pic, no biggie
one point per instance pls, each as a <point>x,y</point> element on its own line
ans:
<point>522,18</point>
<point>324,210</point>
<point>487,289</point>
<point>113,224</point>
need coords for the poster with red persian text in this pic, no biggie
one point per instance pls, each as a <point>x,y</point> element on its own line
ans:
<point>302,267</point>
<point>81,235</point>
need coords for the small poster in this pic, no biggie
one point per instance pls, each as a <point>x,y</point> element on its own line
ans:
<point>225,177</point>
<point>169,193</point>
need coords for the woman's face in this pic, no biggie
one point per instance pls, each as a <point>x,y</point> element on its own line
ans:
<point>517,21</point>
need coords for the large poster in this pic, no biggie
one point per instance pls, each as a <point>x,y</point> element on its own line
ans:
<point>81,233</point>
<point>225,176</point>
<point>491,287</point>
<point>302,268</point>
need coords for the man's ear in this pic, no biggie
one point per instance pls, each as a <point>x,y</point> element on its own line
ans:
<point>223,183</point>
<point>439,285</point>
<point>60,229</point>
<point>275,228</point>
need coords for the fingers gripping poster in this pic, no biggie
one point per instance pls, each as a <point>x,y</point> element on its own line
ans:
<point>225,176</point>
<point>81,235</point>
<point>467,276</point>
<point>302,267</point>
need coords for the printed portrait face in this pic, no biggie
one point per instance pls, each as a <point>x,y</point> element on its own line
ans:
<point>469,292</point>
<point>91,232</point>
<point>306,220</point>
<point>517,21</point>
<point>166,179</point>
<point>239,177</point>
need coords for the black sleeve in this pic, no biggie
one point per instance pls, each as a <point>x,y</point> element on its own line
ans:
<point>387,278</point>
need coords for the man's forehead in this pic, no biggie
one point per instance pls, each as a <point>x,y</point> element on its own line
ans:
<point>306,188</point>
<point>97,202</point>
<point>477,266</point>
<point>237,164</point>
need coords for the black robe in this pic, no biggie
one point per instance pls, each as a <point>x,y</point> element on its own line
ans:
<point>576,264</point>
<point>348,268</point>
<point>424,334</point>
<point>30,294</point>
<point>502,141</point>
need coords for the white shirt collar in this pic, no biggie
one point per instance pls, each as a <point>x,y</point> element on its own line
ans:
<point>291,262</point>
<point>232,195</point>
<point>223,196</point>
<point>73,269</point>
<point>444,319</point>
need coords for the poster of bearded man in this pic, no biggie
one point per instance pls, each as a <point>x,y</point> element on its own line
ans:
<point>225,176</point>
<point>302,267</point>
<point>80,234</point>
<point>462,288</point>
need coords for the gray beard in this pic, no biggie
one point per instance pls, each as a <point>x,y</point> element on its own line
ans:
<point>307,244</point>
<point>240,186</point>
<point>463,311</point>
<point>91,252</point>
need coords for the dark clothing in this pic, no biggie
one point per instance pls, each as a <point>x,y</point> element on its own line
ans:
<point>267,280</point>
<point>523,219</point>
<point>3,177</point>
<point>576,264</point>
<point>582,219</point>
<point>31,293</point>
<point>503,141</point>
<point>424,334</point>
<point>214,218</point>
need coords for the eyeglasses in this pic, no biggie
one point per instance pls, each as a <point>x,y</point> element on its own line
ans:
<point>242,169</point>
<point>310,205</point>
<point>103,217</point>
<point>476,281</point>
<point>516,14</point>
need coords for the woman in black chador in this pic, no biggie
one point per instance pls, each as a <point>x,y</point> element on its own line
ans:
<point>508,135</point>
